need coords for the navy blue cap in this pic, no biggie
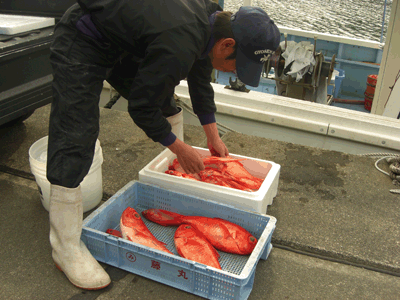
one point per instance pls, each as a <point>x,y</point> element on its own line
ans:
<point>257,37</point>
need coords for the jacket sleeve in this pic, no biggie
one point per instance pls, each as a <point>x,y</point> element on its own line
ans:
<point>200,89</point>
<point>164,65</point>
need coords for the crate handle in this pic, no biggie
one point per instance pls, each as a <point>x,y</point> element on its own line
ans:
<point>200,266</point>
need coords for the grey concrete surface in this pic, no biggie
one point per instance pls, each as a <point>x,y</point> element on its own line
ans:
<point>329,204</point>
<point>126,148</point>
<point>27,270</point>
<point>284,275</point>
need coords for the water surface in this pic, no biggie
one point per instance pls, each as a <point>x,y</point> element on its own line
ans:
<point>351,18</point>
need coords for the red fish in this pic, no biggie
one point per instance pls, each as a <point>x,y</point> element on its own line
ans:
<point>134,229</point>
<point>227,171</point>
<point>223,235</point>
<point>240,234</point>
<point>217,160</point>
<point>192,244</point>
<point>114,232</point>
<point>237,171</point>
<point>180,174</point>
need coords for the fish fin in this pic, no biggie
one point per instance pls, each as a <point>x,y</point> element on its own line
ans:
<point>141,234</point>
<point>156,243</point>
<point>184,239</point>
<point>151,236</point>
<point>233,233</point>
<point>215,251</point>
<point>114,232</point>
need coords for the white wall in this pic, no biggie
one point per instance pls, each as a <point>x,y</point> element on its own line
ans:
<point>390,65</point>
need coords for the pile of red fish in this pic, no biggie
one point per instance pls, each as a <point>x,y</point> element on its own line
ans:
<point>196,238</point>
<point>228,172</point>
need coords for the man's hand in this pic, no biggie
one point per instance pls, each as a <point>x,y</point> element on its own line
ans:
<point>188,158</point>
<point>214,142</point>
<point>217,148</point>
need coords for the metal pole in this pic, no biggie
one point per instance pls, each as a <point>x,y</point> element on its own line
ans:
<point>383,20</point>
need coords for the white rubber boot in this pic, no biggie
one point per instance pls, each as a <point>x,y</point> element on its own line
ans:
<point>69,253</point>
<point>176,122</point>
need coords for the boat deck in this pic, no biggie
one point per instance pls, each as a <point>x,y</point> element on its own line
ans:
<point>337,233</point>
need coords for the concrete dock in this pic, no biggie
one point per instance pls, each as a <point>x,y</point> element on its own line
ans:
<point>337,233</point>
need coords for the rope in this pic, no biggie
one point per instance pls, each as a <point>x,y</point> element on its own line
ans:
<point>189,109</point>
<point>394,165</point>
<point>113,99</point>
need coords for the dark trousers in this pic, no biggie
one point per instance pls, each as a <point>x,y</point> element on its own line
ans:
<point>80,66</point>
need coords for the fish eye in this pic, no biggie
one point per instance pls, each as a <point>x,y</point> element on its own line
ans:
<point>136,215</point>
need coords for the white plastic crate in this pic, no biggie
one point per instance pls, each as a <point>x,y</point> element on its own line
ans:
<point>14,24</point>
<point>258,201</point>
<point>234,281</point>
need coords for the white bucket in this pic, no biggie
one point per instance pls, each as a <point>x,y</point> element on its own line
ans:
<point>91,186</point>
<point>176,122</point>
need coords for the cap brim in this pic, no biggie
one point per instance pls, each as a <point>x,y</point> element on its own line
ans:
<point>248,71</point>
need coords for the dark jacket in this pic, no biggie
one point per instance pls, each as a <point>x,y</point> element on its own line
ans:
<point>169,37</point>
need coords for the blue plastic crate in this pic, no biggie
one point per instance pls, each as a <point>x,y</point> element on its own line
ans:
<point>234,281</point>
